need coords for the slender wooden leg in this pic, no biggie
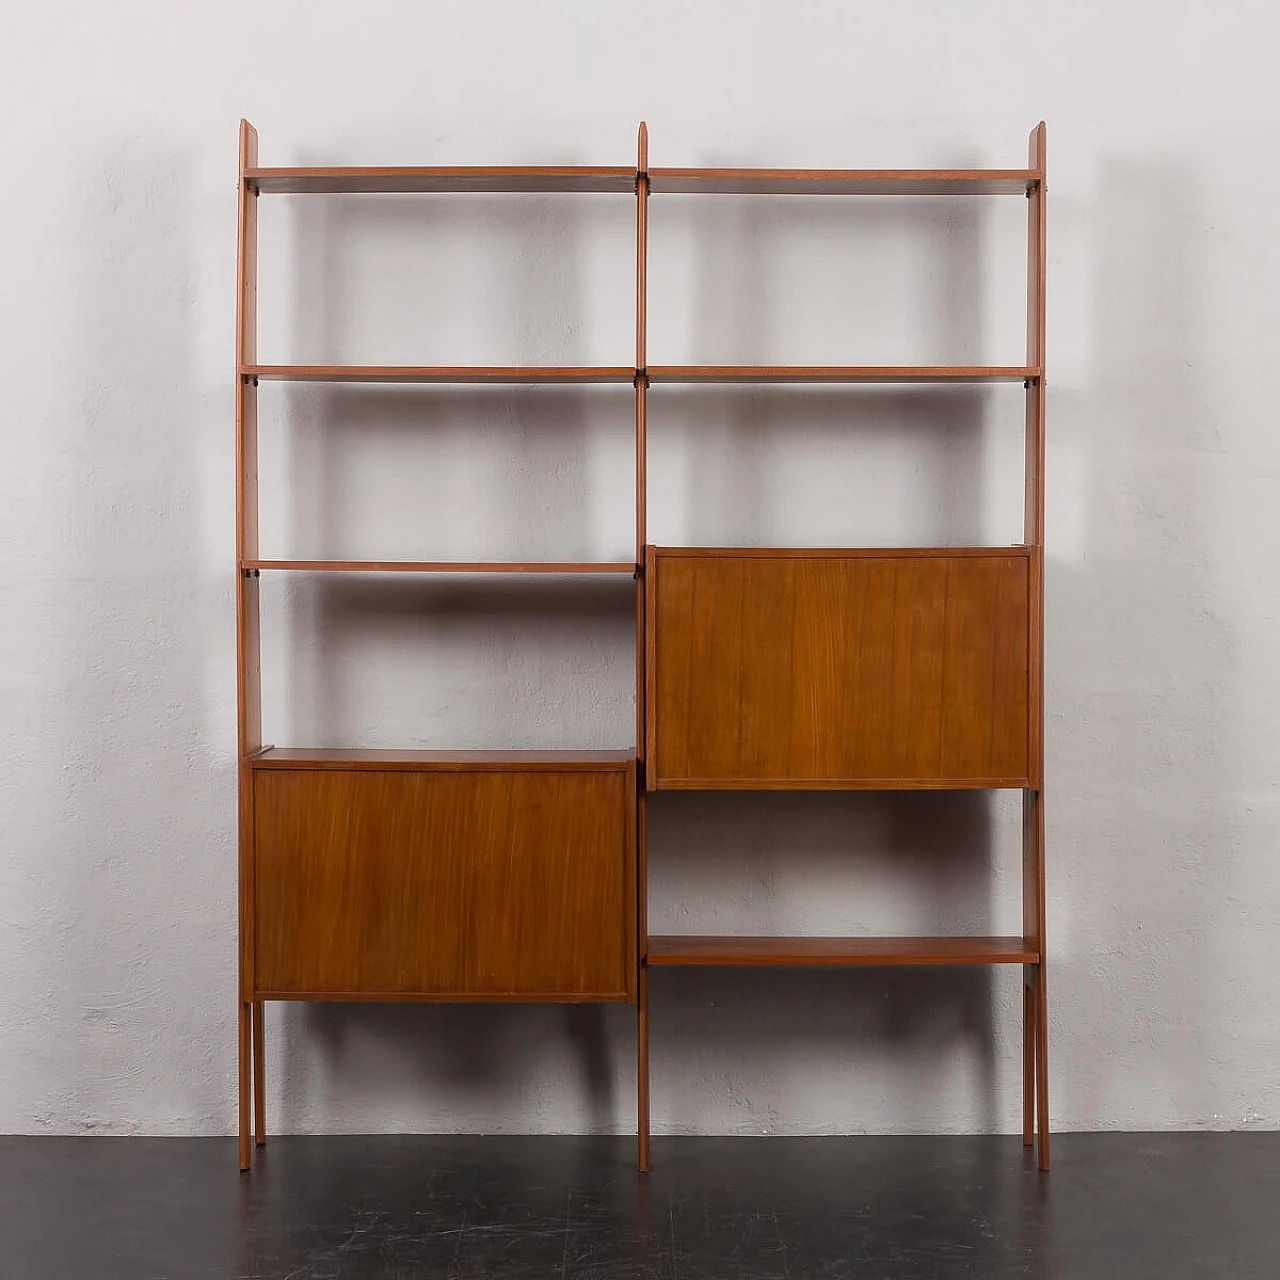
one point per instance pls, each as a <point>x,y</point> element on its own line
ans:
<point>642,1067</point>
<point>1042,1063</point>
<point>1033,931</point>
<point>1028,1061</point>
<point>244,1086</point>
<point>259,1076</point>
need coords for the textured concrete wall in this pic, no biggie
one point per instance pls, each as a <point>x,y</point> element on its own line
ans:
<point>117,885</point>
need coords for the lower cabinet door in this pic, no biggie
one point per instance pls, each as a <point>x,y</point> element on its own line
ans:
<point>405,884</point>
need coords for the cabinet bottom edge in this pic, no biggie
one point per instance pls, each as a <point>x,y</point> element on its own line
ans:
<point>448,997</point>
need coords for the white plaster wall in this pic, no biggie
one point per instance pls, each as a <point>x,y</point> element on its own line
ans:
<point>117,877</point>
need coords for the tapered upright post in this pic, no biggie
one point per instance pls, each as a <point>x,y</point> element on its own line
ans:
<point>248,641</point>
<point>642,888</point>
<point>1035,997</point>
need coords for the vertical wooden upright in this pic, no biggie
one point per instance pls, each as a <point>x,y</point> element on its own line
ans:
<point>1035,998</point>
<point>642,388</point>
<point>248,640</point>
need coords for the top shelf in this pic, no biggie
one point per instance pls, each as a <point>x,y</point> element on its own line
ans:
<point>514,178</point>
<point>843,182</point>
<point>672,373</point>
<point>595,179</point>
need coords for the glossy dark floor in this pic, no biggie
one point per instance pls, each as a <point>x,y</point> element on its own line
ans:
<point>1115,1205</point>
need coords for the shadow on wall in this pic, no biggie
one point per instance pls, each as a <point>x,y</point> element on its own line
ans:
<point>1143,833</point>
<point>931,855</point>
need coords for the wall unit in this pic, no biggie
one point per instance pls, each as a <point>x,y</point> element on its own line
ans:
<point>491,876</point>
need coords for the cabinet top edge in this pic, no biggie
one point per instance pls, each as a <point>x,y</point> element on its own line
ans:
<point>443,761</point>
<point>1014,551</point>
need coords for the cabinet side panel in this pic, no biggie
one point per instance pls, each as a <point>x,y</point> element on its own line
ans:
<point>443,885</point>
<point>895,669</point>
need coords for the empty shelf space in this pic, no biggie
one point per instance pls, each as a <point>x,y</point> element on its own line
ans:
<point>440,761</point>
<point>444,566</point>
<point>376,180</point>
<point>843,182</point>
<point>462,374</point>
<point>699,950</point>
<point>689,373</point>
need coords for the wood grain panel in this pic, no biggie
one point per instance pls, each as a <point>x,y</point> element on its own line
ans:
<point>870,669</point>
<point>494,885</point>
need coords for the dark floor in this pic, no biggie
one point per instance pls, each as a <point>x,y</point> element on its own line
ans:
<point>1116,1205</point>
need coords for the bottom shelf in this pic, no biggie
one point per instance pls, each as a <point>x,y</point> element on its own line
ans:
<point>698,950</point>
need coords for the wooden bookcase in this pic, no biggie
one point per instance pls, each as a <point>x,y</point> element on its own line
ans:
<point>521,876</point>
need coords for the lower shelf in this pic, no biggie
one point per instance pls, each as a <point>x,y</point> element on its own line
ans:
<point>697,950</point>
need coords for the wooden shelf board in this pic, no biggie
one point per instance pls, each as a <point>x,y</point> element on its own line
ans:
<point>460,374</point>
<point>444,566</point>
<point>840,784</point>
<point>839,553</point>
<point>441,761</point>
<point>843,182</point>
<point>721,373</point>
<point>706,950</point>
<point>672,373</point>
<point>377,180</point>
<point>569,179</point>
<point>448,997</point>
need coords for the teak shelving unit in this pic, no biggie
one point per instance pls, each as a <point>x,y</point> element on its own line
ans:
<point>520,876</point>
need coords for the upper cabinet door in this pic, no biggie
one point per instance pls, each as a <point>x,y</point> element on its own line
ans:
<point>795,669</point>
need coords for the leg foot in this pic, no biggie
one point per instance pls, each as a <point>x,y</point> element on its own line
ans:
<point>1042,1064</point>
<point>244,1087</point>
<point>259,1077</point>
<point>1028,1063</point>
<point>642,1069</point>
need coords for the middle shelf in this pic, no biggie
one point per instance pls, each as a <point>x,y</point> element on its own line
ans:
<point>461,374</point>
<point>444,566</point>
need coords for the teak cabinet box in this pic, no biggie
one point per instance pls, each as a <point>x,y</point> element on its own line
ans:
<point>486,882</point>
<point>804,670</point>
